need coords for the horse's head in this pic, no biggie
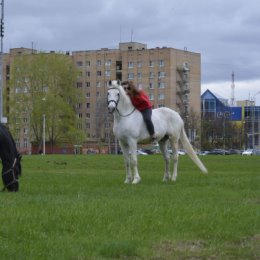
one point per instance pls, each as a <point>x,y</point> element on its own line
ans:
<point>11,175</point>
<point>11,160</point>
<point>113,95</point>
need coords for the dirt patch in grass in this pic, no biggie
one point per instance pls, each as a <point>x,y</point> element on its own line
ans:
<point>251,244</point>
<point>188,250</point>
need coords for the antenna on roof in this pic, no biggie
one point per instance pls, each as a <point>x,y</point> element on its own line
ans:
<point>132,32</point>
<point>120,33</point>
<point>232,98</point>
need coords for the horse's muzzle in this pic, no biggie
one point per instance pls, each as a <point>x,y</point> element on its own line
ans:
<point>111,109</point>
<point>111,106</point>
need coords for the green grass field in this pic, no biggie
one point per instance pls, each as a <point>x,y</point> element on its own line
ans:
<point>78,207</point>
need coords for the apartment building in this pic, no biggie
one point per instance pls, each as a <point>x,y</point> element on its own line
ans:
<point>171,78</point>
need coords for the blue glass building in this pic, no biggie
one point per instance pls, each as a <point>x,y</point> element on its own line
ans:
<point>216,107</point>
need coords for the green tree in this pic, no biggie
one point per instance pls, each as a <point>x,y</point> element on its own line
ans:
<point>44,85</point>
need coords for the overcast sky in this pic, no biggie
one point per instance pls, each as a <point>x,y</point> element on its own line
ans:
<point>225,32</point>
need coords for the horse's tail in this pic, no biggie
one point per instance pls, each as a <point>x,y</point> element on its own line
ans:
<point>189,150</point>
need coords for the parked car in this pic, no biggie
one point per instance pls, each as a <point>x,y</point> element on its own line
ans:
<point>219,152</point>
<point>180,152</point>
<point>248,152</point>
<point>235,151</point>
<point>203,152</point>
<point>140,152</point>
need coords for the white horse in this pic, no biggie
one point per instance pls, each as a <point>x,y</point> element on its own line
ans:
<point>129,128</point>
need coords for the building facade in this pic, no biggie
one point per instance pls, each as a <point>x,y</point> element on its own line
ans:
<point>246,115</point>
<point>171,78</point>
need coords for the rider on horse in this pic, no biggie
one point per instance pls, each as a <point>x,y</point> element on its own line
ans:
<point>142,103</point>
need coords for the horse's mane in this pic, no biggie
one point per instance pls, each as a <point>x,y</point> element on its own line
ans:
<point>8,146</point>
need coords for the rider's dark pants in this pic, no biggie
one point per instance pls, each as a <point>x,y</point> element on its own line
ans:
<point>147,115</point>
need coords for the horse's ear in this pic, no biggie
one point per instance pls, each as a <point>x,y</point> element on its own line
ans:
<point>109,83</point>
<point>118,82</point>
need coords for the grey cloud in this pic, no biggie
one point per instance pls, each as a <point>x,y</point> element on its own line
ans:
<point>224,32</point>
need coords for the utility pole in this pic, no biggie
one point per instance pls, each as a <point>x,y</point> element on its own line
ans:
<point>2,119</point>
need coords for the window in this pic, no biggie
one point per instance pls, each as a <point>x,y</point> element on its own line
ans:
<point>151,75</point>
<point>87,63</point>
<point>139,75</point>
<point>25,143</point>
<point>151,85</point>
<point>130,75</point>
<point>161,85</point>
<point>130,64</point>
<point>107,125</point>
<point>79,84</point>
<point>87,105</point>
<point>140,86</point>
<point>98,84</point>
<point>139,64</point>
<point>79,63</point>
<point>151,63</point>
<point>87,84</point>
<point>99,73</point>
<point>108,73</point>
<point>161,96</point>
<point>87,115</point>
<point>88,95</point>
<point>78,105</point>
<point>108,62</point>
<point>161,63</point>
<point>99,63</point>
<point>161,74</point>
<point>18,90</point>
<point>87,73</point>
<point>151,96</point>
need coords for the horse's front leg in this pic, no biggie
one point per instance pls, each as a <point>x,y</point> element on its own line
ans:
<point>126,155</point>
<point>133,156</point>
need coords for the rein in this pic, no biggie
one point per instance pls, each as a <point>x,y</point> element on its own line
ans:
<point>116,102</point>
<point>126,114</point>
<point>13,175</point>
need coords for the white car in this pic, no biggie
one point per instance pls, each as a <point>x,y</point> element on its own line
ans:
<point>248,152</point>
<point>140,152</point>
<point>180,152</point>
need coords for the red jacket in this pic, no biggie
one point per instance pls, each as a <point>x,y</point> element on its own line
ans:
<point>141,101</point>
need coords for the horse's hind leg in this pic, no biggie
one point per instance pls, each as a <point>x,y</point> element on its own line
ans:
<point>175,158</point>
<point>166,156</point>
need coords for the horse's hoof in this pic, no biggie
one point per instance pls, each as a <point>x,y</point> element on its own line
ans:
<point>165,179</point>
<point>174,178</point>
<point>136,180</point>
<point>127,181</point>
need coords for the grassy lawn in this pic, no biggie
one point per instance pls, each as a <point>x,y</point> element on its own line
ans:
<point>78,207</point>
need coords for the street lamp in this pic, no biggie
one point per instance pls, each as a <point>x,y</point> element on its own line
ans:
<point>43,134</point>
<point>43,130</point>
<point>253,121</point>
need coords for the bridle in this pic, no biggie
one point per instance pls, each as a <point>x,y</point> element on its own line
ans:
<point>116,103</point>
<point>14,180</point>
